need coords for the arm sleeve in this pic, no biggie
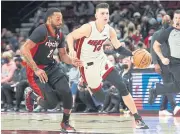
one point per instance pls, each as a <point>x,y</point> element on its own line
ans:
<point>39,34</point>
<point>153,54</point>
<point>61,40</point>
<point>163,37</point>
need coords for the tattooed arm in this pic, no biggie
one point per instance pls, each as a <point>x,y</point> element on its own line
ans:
<point>38,35</point>
<point>25,51</point>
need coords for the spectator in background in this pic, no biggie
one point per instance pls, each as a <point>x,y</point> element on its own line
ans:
<point>126,75</point>
<point>148,38</point>
<point>74,76</point>
<point>115,17</point>
<point>20,81</point>
<point>80,9</point>
<point>108,49</point>
<point>137,36</point>
<point>8,67</point>
<point>90,8</point>
<point>85,97</point>
<point>15,87</point>
<point>11,38</point>
<point>144,26</point>
<point>159,20</point>
<point>136,18</point>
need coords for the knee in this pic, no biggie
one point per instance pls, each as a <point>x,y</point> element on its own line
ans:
<point>124,92</point>
<point>122,88</point>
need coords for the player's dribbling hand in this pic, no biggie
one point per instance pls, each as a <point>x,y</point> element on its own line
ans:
<point>76,62</point>
<point>42,75</point>
<point>165,61</point>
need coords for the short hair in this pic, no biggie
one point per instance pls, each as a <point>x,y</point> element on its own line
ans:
<point>177,12</point>
<point>102,5</point>
<point>50,12</point>
<point>7,54</point>
<point>18,59</point>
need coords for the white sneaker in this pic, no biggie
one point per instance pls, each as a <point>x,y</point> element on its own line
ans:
<point>176,110</point>
<point>165,113</point>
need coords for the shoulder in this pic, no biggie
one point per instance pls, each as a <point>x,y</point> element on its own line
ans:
<point>87,26</point>
<point>112,31</point>
<point>169,29</point>
<point>41,29</point>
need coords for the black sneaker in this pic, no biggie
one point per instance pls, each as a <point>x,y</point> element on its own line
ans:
<point>140,124</point>
<point>152,96</point>
<point>66,127</point>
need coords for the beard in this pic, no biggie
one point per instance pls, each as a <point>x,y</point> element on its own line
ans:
<point>56,27</point>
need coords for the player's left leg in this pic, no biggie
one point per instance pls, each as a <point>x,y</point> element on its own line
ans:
<point>117,81</point>
<point>62,88</point>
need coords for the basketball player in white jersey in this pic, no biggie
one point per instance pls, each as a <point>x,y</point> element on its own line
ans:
<point>89,49</point>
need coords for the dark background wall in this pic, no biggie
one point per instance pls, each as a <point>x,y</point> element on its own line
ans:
<point>14,12</point>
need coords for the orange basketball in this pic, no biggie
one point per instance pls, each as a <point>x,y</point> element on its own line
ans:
<point>142,58</point>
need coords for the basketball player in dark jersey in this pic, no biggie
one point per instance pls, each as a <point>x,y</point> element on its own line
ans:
<point>46,79</point>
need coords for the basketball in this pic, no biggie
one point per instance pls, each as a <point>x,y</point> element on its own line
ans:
<point>142,58</point>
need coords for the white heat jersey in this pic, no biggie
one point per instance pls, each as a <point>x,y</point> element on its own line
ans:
<point>89,49</point>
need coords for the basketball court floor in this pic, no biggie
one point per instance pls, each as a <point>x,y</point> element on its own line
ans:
<point>48,123</point>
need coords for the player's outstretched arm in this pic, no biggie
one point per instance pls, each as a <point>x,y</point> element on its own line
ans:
<point>67,59</point>
<point>157,49</point>
<point>83,31</point>
<point>117,44</point>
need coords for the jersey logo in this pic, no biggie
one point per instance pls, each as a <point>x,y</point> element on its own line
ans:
<point>97,44</point>
<point>52,44</point>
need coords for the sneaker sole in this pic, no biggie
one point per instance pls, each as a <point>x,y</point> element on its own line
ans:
<point>177,113</point>
<point>65,131</point>
<point>142,127</point>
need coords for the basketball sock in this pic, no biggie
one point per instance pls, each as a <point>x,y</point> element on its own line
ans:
<point>34,96</point>
<point>65,117</point>
<point>137,116</point>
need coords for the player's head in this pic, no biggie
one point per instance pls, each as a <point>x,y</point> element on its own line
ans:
<point>7,56</point>
<point>166,21</point>
<point>54,17</point>
<point>102,13</point>
<point>176,18</point>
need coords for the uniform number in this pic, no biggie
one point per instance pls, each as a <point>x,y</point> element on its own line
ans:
<point>50,53</point>
<point>97,48</point>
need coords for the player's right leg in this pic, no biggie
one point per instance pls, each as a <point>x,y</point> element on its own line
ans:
<point>62,88</point>
<point>117,81</point>
<point>172,87</point>
<point>48,100</point>
<point>163,107</point>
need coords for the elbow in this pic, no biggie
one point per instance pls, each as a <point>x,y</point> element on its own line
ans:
<point>69,37</point>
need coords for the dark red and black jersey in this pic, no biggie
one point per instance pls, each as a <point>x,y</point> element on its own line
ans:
<point>46,43</point>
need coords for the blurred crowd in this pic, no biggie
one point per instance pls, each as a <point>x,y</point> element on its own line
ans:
<point>134,24</point>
